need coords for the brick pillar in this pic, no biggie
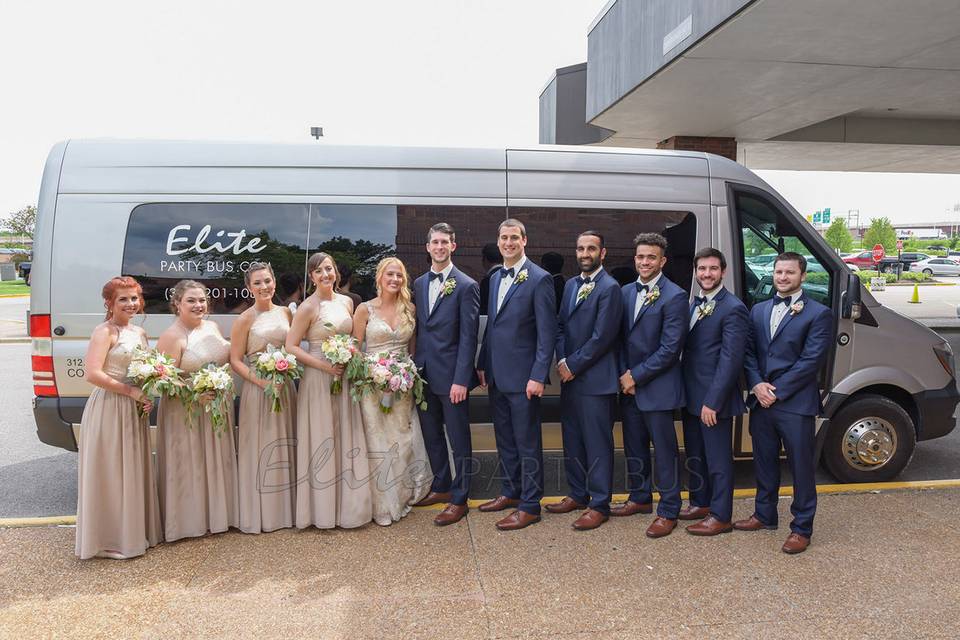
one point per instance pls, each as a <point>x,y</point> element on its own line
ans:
<point>726,147</point>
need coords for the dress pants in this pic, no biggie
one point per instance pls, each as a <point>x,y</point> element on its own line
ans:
<point>768,428</point>
<point>588,447</point>
<point>516,426</point>
<point>439,412</point>
<point>710,463</point>
<point>639,429</point>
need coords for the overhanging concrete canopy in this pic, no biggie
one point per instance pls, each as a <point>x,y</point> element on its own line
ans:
<point>860,85</point>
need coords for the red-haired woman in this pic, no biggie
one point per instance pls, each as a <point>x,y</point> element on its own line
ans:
<point>118,513</point>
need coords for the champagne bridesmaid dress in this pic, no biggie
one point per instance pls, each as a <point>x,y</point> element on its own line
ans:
<point>331,449</point>
<point>118,512</point>
<point>267,457</point>
<point>197,468</point>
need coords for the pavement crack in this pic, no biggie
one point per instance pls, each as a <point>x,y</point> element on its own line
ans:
<point>476,569</point>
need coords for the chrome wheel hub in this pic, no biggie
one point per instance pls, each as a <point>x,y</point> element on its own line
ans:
<point>869,443</point>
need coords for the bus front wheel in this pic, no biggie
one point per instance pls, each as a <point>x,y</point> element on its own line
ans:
<point>871,439</point>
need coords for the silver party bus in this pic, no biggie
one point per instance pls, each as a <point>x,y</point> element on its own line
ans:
<point>164,211</point>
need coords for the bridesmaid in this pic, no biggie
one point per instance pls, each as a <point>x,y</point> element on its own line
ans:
<point>266,448</point>
<point>118,513</point>
<point>197,468</point>
<point>331,449</point>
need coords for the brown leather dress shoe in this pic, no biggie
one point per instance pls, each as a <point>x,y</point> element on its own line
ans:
<point>434,497</point>
<point>693,513</point>
<point>751,524</point>
<point>565,506</point>
<point>661,527</point>
<point>709,526</point>
<point>517,520</point>
<point>591,519</point>
<point>451,513</point>
<point>499,504</point>
<point>630,508</point>
<point>795,543</point>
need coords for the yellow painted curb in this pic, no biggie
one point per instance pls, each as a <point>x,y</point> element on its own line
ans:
<point>867,487</point>
<point>15,295</point>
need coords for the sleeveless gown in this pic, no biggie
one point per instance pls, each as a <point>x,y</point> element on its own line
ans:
<point>197,468</point>
<point>399,465</point>
<point>117,505</point>
<point>332,463</point>
<point>267,462</point>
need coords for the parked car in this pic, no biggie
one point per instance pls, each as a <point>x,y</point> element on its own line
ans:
<point>863,260</point>
<point>24,271</point>
<point>953,254</point>
<point>937,267</point>
<point>936,247</point>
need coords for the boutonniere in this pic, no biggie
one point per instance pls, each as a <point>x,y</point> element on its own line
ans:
<point>448,286</point>
<point>585,291</point>
<point>521,277</point>
<point>796,307</point>
<point>706,309</point>
<point>652,296</point>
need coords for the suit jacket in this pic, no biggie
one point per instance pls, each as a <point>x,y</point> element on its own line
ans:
<point>651,345</point>
<point>713,357</point>
<point>447,336</point>
<point>518,342</point>
<point>791,358</point>
<point>587,336</point>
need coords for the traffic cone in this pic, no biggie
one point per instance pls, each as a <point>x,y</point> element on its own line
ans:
<point>915,298</point>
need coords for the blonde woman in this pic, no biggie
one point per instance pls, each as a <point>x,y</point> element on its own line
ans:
<point>332,464</point>
<point>400,470</point>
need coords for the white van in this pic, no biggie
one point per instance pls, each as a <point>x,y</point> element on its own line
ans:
<point>164,211</point>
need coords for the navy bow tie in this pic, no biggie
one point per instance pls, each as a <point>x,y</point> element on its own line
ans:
<point>784,301</point>
<point>698,300</point>
<point>504,272</point>
<point>642,287</point>
<point>436,276</point>
<point>582,281</point>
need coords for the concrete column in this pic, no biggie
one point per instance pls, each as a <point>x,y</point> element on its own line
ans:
<point>726,147</point>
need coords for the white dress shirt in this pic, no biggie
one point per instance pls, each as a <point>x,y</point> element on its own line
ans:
<point>436,286</point>
<point>507,281</point>
<point>781,310</point>
<point>643,294</point>
<point>593,278</point>
<point>696,310</point>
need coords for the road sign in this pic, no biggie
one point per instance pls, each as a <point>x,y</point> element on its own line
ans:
<point>878,252</point>
<point>816,217</point>
<point>899,245</point>
<point>826,216</point>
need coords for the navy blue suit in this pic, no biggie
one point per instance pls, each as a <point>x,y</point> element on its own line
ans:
<point>712,363</point>
<point>650,350</point>
<point>445,349</point>
<point>517,347</point>
<point>587,338</point>
<point>790,361</point>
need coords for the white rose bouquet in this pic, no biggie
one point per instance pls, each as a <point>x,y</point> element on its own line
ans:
<point>392,375</point>
<point>155,374</point>
<point>279,367</point>
<point>219,381</point>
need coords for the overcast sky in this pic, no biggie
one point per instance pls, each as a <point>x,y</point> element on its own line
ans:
<point>419,72</point>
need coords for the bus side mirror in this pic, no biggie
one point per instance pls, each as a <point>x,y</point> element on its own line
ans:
<point>851,298</point>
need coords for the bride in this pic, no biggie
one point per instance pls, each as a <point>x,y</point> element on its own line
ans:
<point>400,473</point>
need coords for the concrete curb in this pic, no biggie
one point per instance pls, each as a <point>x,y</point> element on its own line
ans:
<point>15,340</point>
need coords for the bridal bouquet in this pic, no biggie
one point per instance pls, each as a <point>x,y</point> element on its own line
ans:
<point>342,349</point>
<point>220,382</point>
<point>279,367</point>
<point>155,374</point>
<point>391,374</point>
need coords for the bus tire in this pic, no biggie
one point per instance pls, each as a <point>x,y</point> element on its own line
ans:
<point>871,439</point>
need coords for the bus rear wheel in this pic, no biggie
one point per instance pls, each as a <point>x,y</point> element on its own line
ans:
<point>871,439</point>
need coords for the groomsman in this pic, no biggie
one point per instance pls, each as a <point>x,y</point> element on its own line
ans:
<point>589,326</point>
<point>654,325</point>
<point>712,363</point>
<point>448,316</point>
<point>514,363</point>
<point>789,338</point>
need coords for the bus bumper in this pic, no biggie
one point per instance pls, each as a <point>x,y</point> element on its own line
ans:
<point>936,409</point>
<point>55,418</point>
